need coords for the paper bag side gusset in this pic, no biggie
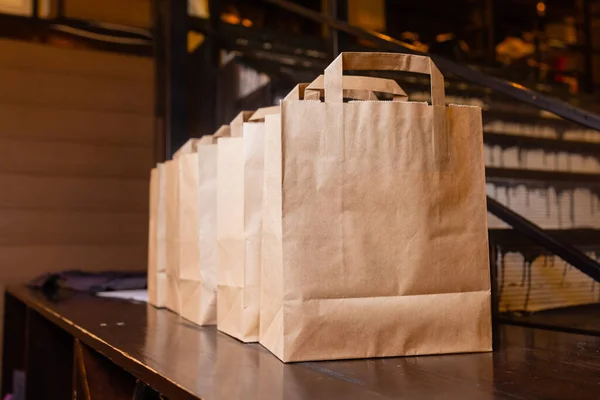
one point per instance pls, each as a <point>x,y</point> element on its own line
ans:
<point>198,277</point>
<point>230,237</point>
<point>240,241</point>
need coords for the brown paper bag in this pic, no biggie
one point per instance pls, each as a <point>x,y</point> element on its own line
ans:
<point>161,235</point>
<point>182,216</point>
<point>198,233</point>
<point>173,300</point>
<point>189,248</point>
<point>156,239</point>
<point>152,237</point>
<point>375,236</point>
<point>239,216</point>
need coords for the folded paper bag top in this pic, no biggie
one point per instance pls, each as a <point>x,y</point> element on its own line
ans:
<point>261,113</point>
<point>191,146</point>
<point>206,139</point>
<point>236,125</point>
<point>374,235</point>
<point>223,131</point>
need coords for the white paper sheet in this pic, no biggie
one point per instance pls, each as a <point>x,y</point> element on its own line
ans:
<point>137,295</point>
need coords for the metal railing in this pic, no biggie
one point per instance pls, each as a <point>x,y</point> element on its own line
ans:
<point>515,91</point>
<point>510,89</point>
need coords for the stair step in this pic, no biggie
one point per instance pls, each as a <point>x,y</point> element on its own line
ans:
<point>510,239</point>
<point>577,319</point>
<point>530,280</point>
<point>551,145</point>
<point>525,117</point>
<point>508,175</point>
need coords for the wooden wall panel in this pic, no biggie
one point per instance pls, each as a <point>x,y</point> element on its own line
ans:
<point>58,193</point>
<point>30,122</point>
<point>72,159</point>
<point>80,92</point>
<point>76,147</point>
<point>39,57</point>
<point>62,228</point>
<point>22,263</point>
<point>134,13</point>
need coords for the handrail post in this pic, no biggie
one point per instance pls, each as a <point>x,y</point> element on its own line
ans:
<point>588,77</point>
<point>160,82</point>
<point>490,26</point>
<point>35,9</point>
<point>60,9</point>
<point>337,9</point>
<point>176,108</point>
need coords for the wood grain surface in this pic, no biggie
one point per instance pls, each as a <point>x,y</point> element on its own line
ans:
<point>184,361</point>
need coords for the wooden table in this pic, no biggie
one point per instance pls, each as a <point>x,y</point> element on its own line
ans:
<point>584,319</point>
<point>99,347</point>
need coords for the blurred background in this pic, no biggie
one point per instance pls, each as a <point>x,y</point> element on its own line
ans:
<point>94,92</point>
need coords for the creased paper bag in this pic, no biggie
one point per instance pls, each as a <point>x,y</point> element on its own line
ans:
<point>198,231</point>
<point>239,215</point>
<point>375,236</point>
<point>173,300</point>
<point>156,238</point>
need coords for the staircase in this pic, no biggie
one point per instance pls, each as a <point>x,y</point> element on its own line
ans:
<point>547,170</point>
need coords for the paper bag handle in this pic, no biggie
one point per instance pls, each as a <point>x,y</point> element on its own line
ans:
<point>359,86</point>
<point>299,93</point>
<point>353,94</point>
<point>381,62</point>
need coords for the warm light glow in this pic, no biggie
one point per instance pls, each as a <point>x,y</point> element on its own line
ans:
<point>246,22</point>
<point>230,19</point>
<point>541,8</point>
<point>443,37</point>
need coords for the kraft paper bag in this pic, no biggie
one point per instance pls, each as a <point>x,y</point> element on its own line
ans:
<point>189,233</point>
<point>239,228</point>
<point>152,236</point>
<point>174,177</point>
<point>173,295</point>
<point>161,236</point>
<point>156,239</point>
<point>198,233</point>
<point>374,232</point>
